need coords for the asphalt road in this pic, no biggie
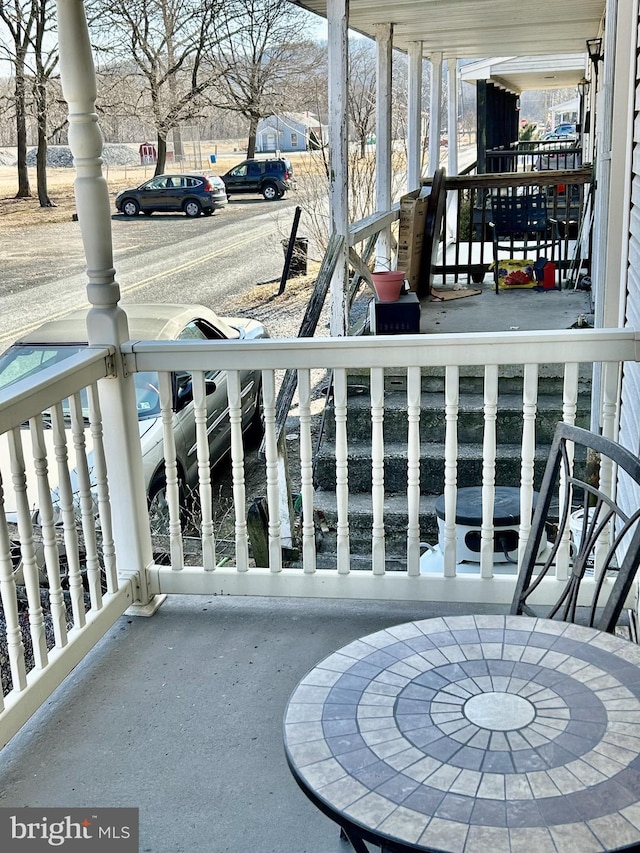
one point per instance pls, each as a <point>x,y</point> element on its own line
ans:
<point>163,258</point>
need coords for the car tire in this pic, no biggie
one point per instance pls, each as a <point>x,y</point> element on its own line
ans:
<point>147,212</point>
<point>130,207</point>
<point>270,191</point>
<point>192,208</point>
<point>159,508</point>
<point>207,211</point>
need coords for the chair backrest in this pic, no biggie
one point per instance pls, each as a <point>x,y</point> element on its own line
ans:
<point>519,214</point>
<point>432,231</point>
<point>577,494</point>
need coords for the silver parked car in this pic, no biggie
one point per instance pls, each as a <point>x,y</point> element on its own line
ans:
<point>58,339</point>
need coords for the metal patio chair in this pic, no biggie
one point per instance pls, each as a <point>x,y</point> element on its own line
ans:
<point>520,225</point>
<point>583,473</point>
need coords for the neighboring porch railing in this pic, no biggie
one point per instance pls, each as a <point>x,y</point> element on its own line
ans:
<point>71,594</point>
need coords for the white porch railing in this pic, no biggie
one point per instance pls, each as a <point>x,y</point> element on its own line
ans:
<point>59,577</point>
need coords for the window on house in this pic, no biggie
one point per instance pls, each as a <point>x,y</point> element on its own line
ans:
<point>294,140</point>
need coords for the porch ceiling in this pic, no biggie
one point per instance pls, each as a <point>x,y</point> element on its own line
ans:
<point>478,28</point>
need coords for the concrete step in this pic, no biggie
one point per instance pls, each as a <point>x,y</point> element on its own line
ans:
<point>470,417</point>
<point>472,379</point>
<point>508,466</point>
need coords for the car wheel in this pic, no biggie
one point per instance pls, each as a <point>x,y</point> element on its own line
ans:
<point>192,208</point>
<point>130,207</point>
<point>208,211</point>
<point>270,192</point>
<point>159,508</point>
<point>147,212</point>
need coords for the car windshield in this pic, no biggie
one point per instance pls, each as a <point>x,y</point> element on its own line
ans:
<point>23,361</point>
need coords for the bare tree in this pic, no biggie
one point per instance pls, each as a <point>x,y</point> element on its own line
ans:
<point>19,18</point>
<point>167,45</point>
<point>258,60</point>
<point>45,61</point>
<point>362,91</point>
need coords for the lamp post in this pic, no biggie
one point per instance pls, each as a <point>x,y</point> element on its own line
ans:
<point>583,91</point>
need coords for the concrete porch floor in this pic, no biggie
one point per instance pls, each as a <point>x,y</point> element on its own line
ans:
<point>180,715</point>
<point>508,310</point>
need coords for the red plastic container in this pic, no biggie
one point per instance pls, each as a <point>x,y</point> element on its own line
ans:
<point>549,276</point>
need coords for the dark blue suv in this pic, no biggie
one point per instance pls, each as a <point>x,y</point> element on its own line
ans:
<point>191,194</point>
<point>271,177</point>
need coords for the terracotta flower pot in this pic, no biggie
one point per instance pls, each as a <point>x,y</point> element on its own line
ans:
<point>388,284</point>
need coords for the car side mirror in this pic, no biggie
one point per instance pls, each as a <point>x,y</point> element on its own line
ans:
<point>184,393</point>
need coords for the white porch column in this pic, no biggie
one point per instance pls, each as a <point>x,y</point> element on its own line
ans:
<point>338,52</point>
<point>384,60</point>
<point>414,117</point>
<point>106,322</point>
<point>435,109</point>
<point>452,116</point>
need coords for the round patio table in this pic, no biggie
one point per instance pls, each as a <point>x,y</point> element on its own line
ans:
<point>474,733</point>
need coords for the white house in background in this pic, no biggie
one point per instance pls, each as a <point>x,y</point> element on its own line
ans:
<point>290,132</point>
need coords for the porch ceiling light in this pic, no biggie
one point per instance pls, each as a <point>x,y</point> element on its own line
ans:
<point>594,49</point>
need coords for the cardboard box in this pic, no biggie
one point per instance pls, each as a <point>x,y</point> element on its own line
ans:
<point>413,214</point>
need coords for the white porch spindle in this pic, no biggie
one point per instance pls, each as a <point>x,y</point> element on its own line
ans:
<point>272,471</point>
<point>414,396</point>
<point>384,63</point>
<point>87,514</point>
<point>435,108</point>
<point>569,409</point>
<point>342,474</point>
<point>414,117</point>
<point>8,596</point>
<point>337,51</point>
<point>306,473</point>
<point>452,400</point>
<point>106,322</point>
<point>237,470</point>
<point>50,547</point>
<point>102,491</point>
<point>488,469</point>
<point>67,511</point>
<point>377,470</point>
<point>527,468</point>
<point>172,487</point>
<point>27,549</point>
<point>204,471</point>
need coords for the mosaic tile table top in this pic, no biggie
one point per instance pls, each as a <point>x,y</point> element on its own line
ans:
<point>475,733</point>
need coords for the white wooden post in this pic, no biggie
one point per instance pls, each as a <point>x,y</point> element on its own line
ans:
<point>337,50</point>
<point>452,116</point>
<point>106,321</point>
<point>414,117</point>
<point>384,61</point>
<point>435,108</point>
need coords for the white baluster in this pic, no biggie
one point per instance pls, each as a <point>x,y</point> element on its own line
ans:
<point>306,473</point>
<point>414,399</point>
<point>8,595</point>
<point>342,473</point>
<point>272,467</point>
<point>176,548</point>
<point>237,470</point>
<point>569,409</point>
<point>377,470</point>
<point>87,506</point>
<point>69,517</point>
<point>527,472</point>
<point>204,471</point>
<point>30,567</point>
<point>452,400</point>
<point>489,452</point>
<point>46,520</point>
<point>102,491</point>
